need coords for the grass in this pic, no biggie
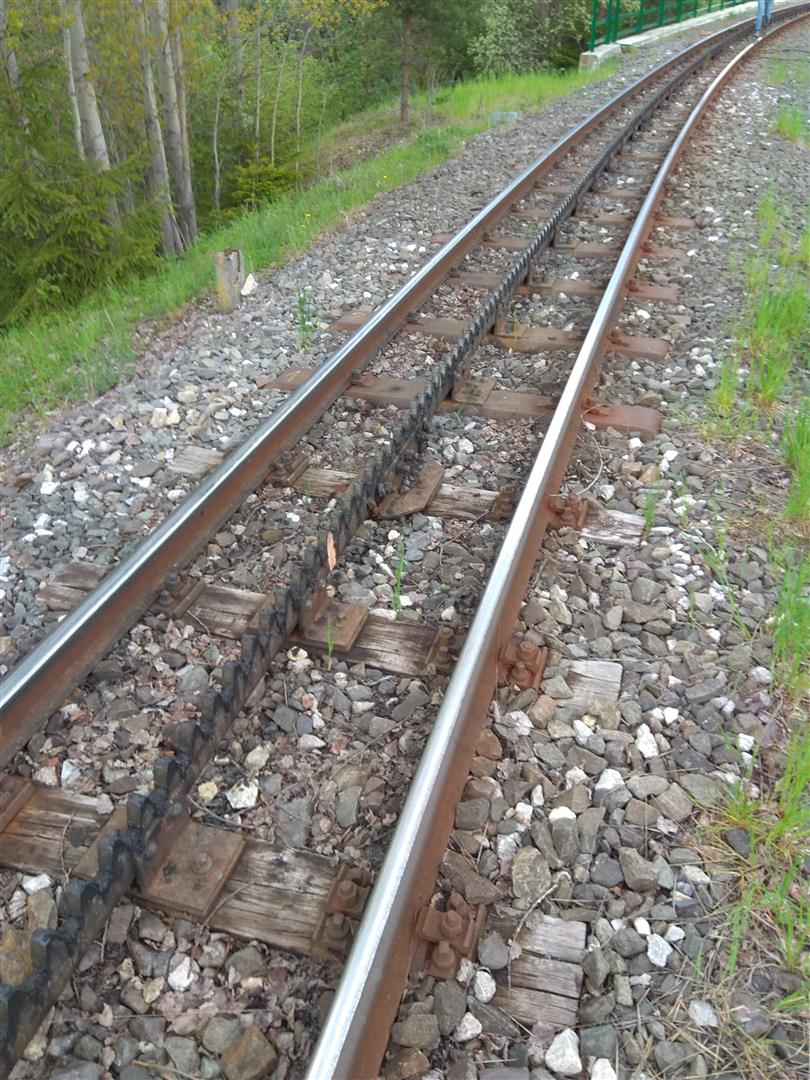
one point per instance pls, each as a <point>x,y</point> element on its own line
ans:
<point>791,627</point>
<point>793,122</point>
<point>77,354</point>
<point>796,448</point>
<point>796,72</point>
<point>772,892</point>
<point>396,601</point>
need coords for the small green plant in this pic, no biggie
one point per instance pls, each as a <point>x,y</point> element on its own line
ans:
<point>306,322</point>
<point>796,448</point>
<point>791,628</point>
<point>650,508</point>
<point>397,600</point>
<point>793,122</point>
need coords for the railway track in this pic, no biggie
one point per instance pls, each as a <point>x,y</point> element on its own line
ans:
<point>489,283</point>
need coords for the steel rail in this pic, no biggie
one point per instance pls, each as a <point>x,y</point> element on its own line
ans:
<point>42,680</point>
<point>354,1037</point>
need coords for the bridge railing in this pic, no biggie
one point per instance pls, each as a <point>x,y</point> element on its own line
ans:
<point>614,19</point>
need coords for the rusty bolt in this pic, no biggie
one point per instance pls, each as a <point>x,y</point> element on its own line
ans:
<point>451,924</point>
<point>337,931</point>
<point>519,675</point>
<point>201,863</point>
<point>444,960</point>
<point>527,651</point>
<point>347,892</point>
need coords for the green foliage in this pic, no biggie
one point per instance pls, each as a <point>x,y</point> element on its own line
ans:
<point>791,630</point>
<point>520,35</point>
<point>793,122</point>
<point>255,183</point>
<point>796,447</point>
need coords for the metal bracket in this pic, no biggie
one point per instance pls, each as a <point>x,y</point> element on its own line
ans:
<point>178,595</point>
<point>329,623</point>
<point>287,469</point>
<point>567,510</point>
<point>521,663</point>
<point>342,909</point>
<point>503,505</point>
<point>444,937</point>
<point>188,866</point>
<point>439,654</point>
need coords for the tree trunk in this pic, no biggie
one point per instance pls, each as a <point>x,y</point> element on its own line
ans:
<point>404,116</point>
<point>172,125</point>
<point>180,78</point>
<point>301,56</point>
<point>74,104</point>
<point>215,149</point>
<point>276,103</point>
<point>8,58</point>
<point>95,145</point>
<point>235,44</point>
<point>158,169</point>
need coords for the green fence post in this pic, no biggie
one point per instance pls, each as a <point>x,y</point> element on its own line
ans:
<point>640,23</point>
<point>661,12</point>
<point>679,16</point>
<point>594,16</point>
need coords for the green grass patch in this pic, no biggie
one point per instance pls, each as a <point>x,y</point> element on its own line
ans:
<point>796,448</point>
<point>79,353</point>
<point>793,122</point>
<point>795,72</point>
<point>772,894</point>
<point>791,626</point>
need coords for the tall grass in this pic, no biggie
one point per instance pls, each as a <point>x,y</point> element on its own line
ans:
<point>793,121</point>
<point>79,353</point>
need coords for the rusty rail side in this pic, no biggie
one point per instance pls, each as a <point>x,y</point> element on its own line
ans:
<point>355,1035</point>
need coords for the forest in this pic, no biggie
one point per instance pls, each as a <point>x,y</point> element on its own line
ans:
<point>129,127</point>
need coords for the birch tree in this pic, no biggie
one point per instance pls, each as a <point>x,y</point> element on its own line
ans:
<point>158,171</point>
<point>178,161</point>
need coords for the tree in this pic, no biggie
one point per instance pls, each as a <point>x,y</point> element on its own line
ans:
<point>158,170</point>
<point>176,144</point>
<point>523,35</point>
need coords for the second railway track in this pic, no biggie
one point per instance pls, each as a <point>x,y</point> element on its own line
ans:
<point>506,297</point>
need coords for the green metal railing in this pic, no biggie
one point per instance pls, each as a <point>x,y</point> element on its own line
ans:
<point>614,19</point>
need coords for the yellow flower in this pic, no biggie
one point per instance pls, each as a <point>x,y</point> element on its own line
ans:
<point>384,177</point>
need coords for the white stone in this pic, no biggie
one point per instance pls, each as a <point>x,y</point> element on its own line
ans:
<point>562,1056</point>
<point>69,773</point>
<point>468,1027</point>
<point>311,742</point>
<point>243,795</point>
<point>519,721</point>
<point>603,1070</point>
<point>49,487</point>
<point>645,742</point>
<point>702,1014</point>
<point>207,791</point>
<point>671,714</point>
<point>538,795</point>
<point>561,813</point>
<point>523,813</point>
<point>761,675</point>
<point>695,876</point>
<point>182,976</point>
<point>575,776</point>
<point>609,780</point>
<point>466,970</point>
<point>642,927</point>
<point>582,733</point>
<point>46,775</point>
<point>658,950</point>
<point>249,285</point>
<point>673,934</point>
<point>256,760</point>
<point>484,986</point>
<point>35,882</point>
<point>745,742</point>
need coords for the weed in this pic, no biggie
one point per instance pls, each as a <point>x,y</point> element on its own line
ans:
<point>796,448</point>
<point>397,600</point>
<point>650,508</point>
<point>306,323</point>
<point>797,73</point>
<point>793,122</point>
<point>791,628</point>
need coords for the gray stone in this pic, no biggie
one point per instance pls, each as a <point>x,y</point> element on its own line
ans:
<point>492,951</point>
<point>294,821</point>
<point>703,790</point>
<point>705,689</point>
<point>674,804</point>
<point>702,1014</point>
<point>606,871</point>
<point>419,1030</point>
<point>79,1070</point>
<point>596,966</point>
<point>598,1041</point>
<point>739,840</point>
<point>247,962</point>
<point>640,875</point>
<point>415,700</point>
<point>557,688</point>
<point>531,876</point>
<point>494,1021</point>
<point>472,814</point>
<point>565,835</point>
<point>473,886</point>
<point>192,682</point>
<point>184,1054</point>
<point>220,1032</point>
<point>628,942</point>
<point>670,1056</point>
<point>645,786</point>
<point>449,1004</point>
<point>346,807</point>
